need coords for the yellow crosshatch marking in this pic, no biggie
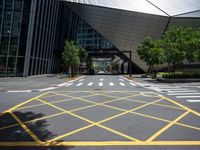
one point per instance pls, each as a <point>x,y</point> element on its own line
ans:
<point>131,97</point>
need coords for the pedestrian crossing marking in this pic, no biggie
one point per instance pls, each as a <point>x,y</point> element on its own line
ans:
<point>79,84</point>
<point>121,79</point>
<point>101,84</point>
<point>101,79</point>
<point>183,94</point>
<point>81,80</point>
<point>68,84</point>
<point>90,84</point>
<point>188,96</point>
<point>111,84</point>
<point>122,84</point>
<point>132,84</point>
<point>193,101</point>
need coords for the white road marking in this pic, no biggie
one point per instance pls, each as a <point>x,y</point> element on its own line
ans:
<point>183,94</point>
<point>176,89</point>
<point>81,80</point>
<point>132,84</point>
<point>111,84</point>
<point>79,84</point>
<point>100,83</point>
<point>90,84</point>
<point>193,101</point>
<point>121,79</point>
<point>101,79</point>
<point>69,84</point>
<point>21,91</point>
<point>188,96</point>
<point>122,84</point>
<point>182,91</point>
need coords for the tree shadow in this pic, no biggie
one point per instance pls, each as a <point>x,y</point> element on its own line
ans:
<point>10,131</point>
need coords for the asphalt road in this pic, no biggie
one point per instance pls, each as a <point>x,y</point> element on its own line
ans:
<point>102,112</point>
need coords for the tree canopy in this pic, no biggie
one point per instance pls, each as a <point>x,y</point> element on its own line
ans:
<point>177,45</point>
<point>151,52</point>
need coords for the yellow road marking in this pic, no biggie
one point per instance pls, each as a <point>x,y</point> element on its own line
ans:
<point>89,121</point>
<point>167,126</point>
<point>164,120</point>
<point>144,115</point>
<point>49,96</point>
<point>92,91</point>
<point>76,109</point>
<point>115,116</point>
<point>163,105</point>
<point>105,143</point>
<point>37,119</point>
<point>26,128</point>
<point>72,132</point>
<point>92,143</point>
<point>124,98</point>
<point>141,101</point>
<point>57,101</point>
<point>126,112</point>
<point>192,111</point>
<point>23,103</point>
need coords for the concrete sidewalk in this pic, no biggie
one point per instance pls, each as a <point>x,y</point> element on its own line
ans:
<point>29,83</point>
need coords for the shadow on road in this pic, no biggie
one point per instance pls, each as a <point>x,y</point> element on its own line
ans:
<point>15,133</point>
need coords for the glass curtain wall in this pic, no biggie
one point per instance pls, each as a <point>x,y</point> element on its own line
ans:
<point>44,29</point>
<point>90,39</point>
<point>14,21</point>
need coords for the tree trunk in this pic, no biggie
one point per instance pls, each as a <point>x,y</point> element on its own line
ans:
<point>70,71</point>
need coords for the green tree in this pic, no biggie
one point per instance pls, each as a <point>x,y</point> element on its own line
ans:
<point>197,45</point>
<point>151,52</point>
<point>71,56</point>
<point>172,44</point>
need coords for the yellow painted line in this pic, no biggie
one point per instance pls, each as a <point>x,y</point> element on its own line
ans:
<point>82,99</point>
<point>89,121</point>
<point>93,91</point>
<point>141,101</point>
<point>163,105</point>
<point>192,111</point>
<point>164,120</point>
<point>105,143</point>
<point>46,117</point>
<point>49,95</point>
<point>167,127</point>
<point>126,112</point>
<point>72,132</point>
<point>26,128</point>
<point>107,119</point>
<point>23,103</point>
<point>149,116</point>
<point>57,101</point>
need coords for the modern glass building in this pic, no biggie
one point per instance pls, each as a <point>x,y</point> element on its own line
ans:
<point>32,32</point>
<point>27,35</point>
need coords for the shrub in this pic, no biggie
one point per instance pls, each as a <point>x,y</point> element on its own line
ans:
<point>180,75</point>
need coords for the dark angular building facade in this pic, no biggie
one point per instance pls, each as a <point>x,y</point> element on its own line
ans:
<point>32,32</point>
